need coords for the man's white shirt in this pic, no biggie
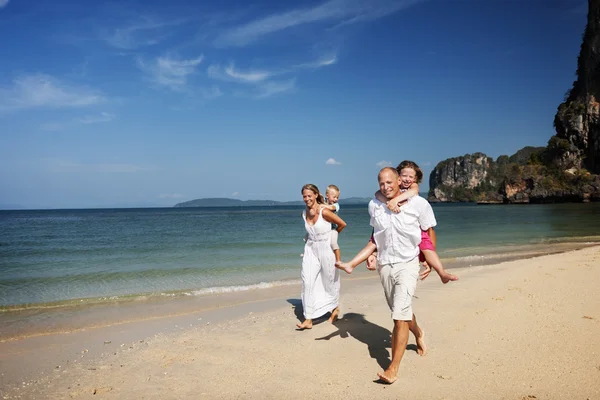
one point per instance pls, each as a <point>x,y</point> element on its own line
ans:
<point>398,235</point>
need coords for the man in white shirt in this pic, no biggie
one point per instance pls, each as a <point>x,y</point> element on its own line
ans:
<point>397,237</point>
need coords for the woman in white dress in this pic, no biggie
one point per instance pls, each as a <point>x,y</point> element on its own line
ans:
<point>320,277</point>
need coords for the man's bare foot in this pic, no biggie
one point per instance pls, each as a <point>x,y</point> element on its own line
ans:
<point>388,376</point>
<point>344,267</point>
<point>334,315</point>
<point>447,277</point>
<point>421,347</point>
<point>307,324</point>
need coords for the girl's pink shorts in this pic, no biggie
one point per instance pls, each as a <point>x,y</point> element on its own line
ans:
<point>426,244</point>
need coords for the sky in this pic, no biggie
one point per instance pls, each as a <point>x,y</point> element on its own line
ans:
<point>149,103</point>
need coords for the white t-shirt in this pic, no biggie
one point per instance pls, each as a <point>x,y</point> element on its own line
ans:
<point>398,235</point>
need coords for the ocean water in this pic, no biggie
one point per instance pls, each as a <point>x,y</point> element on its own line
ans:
<point>62,258</point>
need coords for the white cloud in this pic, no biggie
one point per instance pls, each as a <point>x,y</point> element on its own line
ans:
<point>145,32</point>
<point>332,161</point>
<point>235,194</point>
<point>42,90</point>
<point>269,89</point>
<point>342,12</point>
<point>250,76</point>
<point>231,74</point>
<point>170,72</point>
<point>3,3</point>
<point>383,164</point>
<point>95,119</point>
<point>322,62</point>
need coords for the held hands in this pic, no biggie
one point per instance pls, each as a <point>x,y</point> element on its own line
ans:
<point>424,273</point>
<point>372,262</point>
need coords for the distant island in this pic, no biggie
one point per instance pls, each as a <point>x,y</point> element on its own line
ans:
<point>226,202</point>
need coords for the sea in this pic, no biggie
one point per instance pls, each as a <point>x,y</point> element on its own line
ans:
<point>53,259</point>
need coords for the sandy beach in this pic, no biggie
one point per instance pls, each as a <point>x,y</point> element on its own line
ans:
<point>523,329</point>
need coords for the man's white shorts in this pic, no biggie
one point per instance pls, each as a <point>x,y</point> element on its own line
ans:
<point>399,282</point>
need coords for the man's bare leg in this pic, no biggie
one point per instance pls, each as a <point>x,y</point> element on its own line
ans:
<point>399,341</point>
<point>307,324</point>
<point>419,336</point>
<point>334,315</point>
<point>434,261</point>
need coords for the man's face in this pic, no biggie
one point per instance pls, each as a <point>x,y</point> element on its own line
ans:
<point>389,184</point>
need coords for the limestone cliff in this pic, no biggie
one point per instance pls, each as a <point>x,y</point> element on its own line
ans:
<point>564,171</point>
<point>577,121</point>
<point>528,176</point>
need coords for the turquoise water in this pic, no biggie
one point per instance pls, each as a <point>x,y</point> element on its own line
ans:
<point>51,258</point>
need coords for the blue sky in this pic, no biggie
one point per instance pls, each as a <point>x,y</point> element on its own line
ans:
<point>151,103</point>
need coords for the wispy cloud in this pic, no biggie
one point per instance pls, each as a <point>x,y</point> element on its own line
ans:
<point>41,90</point>
<point>61,165</point>
<point>96,119</point>
<point>332,161</point>
<point>3,3</point>
<point>145,32</point>
<point>338,12</point>
<point>86,120</point>
<point>231,74</point>
<point>322,62</point>
<point>269,89</point>
<point>170,72</point>
<point>383,164</point>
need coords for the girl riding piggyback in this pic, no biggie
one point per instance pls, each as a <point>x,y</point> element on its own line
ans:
<point>410,177</point>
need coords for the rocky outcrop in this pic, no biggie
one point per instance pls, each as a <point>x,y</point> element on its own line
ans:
<point>564,171</point>
<point>525,177</point>
<point>577,120</point>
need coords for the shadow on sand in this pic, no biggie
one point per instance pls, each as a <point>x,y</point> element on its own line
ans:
<point>377,339</point>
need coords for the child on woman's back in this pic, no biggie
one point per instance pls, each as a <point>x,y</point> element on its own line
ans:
<point>332,195</point>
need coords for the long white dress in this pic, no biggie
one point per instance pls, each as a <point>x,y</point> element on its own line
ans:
<point>320,278</point>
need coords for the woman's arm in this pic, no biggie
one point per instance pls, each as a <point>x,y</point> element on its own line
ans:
<point>334,219</point>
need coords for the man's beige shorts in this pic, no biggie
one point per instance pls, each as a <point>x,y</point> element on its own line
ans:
<point>399,282</point>
<point>334,239</point>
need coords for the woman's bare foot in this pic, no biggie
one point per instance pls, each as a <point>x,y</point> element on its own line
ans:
<point>421,347</point>
<point>334,315</point>
<point>307,324</point>
<point>344,267</point>
<point>447,277</point>
<point>388,376</point>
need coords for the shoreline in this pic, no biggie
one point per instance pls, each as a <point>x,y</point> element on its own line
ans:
<point>509,253</point>
<point>53,365</point>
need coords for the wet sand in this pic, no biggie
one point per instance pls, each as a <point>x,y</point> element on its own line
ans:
<point>521,329</point>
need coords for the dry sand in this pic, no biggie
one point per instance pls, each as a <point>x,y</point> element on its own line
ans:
<point>525,329</point>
